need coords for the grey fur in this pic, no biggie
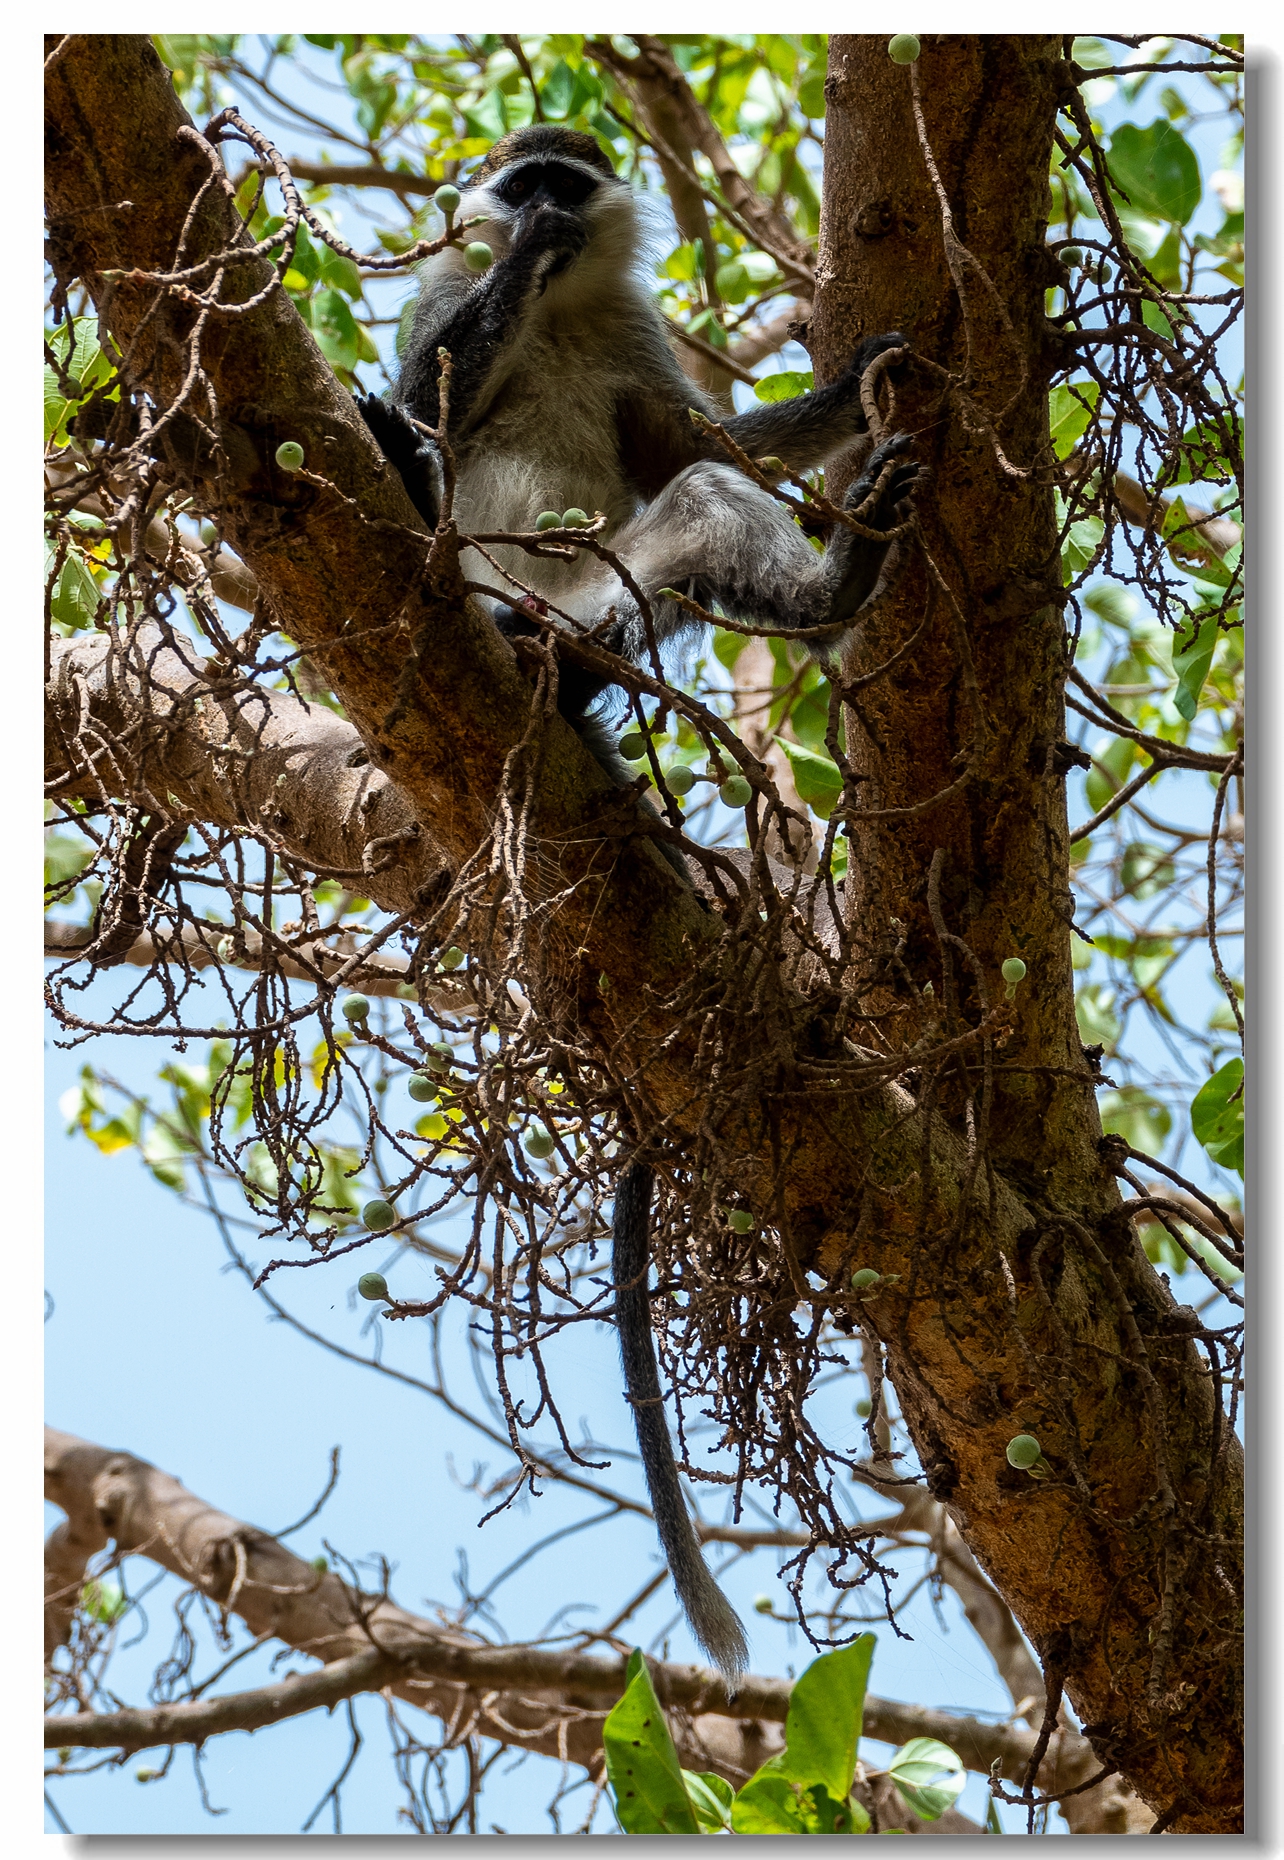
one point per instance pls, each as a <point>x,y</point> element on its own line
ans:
<point>566,392</point>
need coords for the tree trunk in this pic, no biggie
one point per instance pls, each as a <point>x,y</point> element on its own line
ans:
<point>1124,1569</point>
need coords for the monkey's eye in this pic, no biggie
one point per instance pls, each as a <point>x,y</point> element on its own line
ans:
<point>517,187</point>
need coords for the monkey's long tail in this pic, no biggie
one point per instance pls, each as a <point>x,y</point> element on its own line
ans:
<point>714,1622</point>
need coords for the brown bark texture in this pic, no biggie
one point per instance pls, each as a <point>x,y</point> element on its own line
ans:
<point>1024,1301</point>
<point>1123,1570</point>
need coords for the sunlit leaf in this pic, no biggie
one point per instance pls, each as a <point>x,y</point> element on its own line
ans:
<point>1217,1116</point>
<point>928,1775</point>
<point>787,385</point>
<point>1145,870</point>
<point>642,1763</point>
<point>1191,661</point>
<point>1070,407</point>
<point>1099,1025</point>
<point>818,779</point>
<point>1133,1114</point>
<point>1157,169</point>
<point>711,1798</point>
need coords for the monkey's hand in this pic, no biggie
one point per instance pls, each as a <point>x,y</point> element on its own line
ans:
<point>869,351</point>
<point>411,451</point>
<point>549,241</point>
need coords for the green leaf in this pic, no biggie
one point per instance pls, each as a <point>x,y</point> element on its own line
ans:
<point>773,1803</point>
<point>1070,408</point>
<point>1194,661</point>
<point>1115,605</point>
<point>1159,320</point>
<point>804,1788</point>
<point>770,1803</point>
<point>1145,870</point>
<point>1157,169</point>
<point>306,260</point>
<point>1081,545</point>
<point>1203,450</point>
<point>557,91</point>
<point>1217,1116</point>
<point>1116,761</point>
<point>818,782</point>
<point>1099,1025</point>
<point>75,598</point>
<point>487,118</point>
<point>340,273</point>
<point>711,1798</point>
<point>825,1712</point>
<point>737,279</point>
<point>641,1762</point>
<point>335,328</point>
<point>103,1601</point>
<point>727,647</point>
<point>65,857</point>
<point>992,1823</point>
<point>1147,956</point>
<point>85,362</point>
<point>928,1775</point>
<point>682,264</point>
<point>1165,263</point>
<point>787,385</point>
<point>810,714</point>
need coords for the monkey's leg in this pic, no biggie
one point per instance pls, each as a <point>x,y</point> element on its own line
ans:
<point>714,1622</point>
<point>713,534</point>
<point>716,536</point>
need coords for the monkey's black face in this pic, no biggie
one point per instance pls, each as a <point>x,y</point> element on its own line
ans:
<point>551,183</point>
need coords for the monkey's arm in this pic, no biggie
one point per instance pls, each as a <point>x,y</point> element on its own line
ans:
<point>480,329</point>
<point>714,1622</point>
<point>852,563</point>
<point>812,427</point>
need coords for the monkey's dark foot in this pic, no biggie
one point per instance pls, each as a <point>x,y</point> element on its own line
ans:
<point>404,446</point>
<point>882,514</point>
<point>577,688</point>
<point>854,563</point>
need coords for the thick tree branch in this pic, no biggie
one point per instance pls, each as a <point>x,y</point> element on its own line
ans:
<point>548,1700</point>
<point>232,753</point>
<point>209,946</point>
<point>664,97</point>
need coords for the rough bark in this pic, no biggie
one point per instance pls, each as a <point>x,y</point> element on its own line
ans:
<point>1146,1507</point>
<point>1035,1309</point>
